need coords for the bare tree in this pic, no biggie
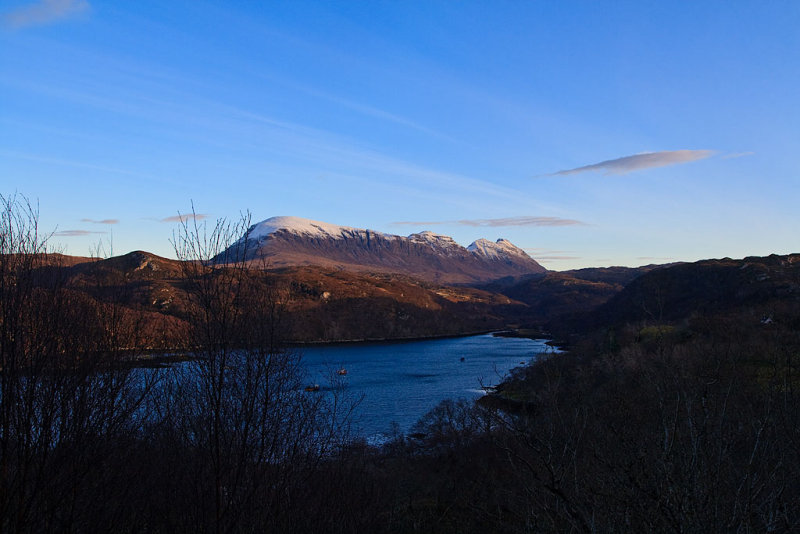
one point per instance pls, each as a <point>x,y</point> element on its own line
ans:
<point>66,403</point>
<point>254,437</point>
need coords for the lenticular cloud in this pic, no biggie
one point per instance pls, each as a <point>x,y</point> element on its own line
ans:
<point>637,162</point>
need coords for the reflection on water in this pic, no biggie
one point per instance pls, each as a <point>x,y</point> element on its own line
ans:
<point>401,381</point>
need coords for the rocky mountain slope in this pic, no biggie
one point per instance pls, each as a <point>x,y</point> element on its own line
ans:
<point>293,241</point>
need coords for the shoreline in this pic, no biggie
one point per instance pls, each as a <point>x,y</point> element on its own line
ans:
<point>165,356</point>
<point>377,340</point>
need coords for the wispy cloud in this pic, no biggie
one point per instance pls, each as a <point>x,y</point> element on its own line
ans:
<point>43,12</point>
<point>71,163</point>
<point>738,155</point>
<point>522,221</point>
<point>75,233</point>
<point>359,107</point>
<point>103,221</point>
<point>546,251</point>
<point>186,217</point>
<point>223,126</point>
<point>548,255</point>
<point>377,113</point>
<point>508,221</point>
<point>555,258</point>
<point>638,162</point>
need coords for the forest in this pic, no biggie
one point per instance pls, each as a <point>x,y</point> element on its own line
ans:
<point>681,419</point>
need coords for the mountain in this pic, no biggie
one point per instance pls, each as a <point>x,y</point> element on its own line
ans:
<point>708,286</point>
<point>757,287</point>
<point>316,304</point>
<point>617,276</point>
<point>554,294</point>
<point>294,241</point>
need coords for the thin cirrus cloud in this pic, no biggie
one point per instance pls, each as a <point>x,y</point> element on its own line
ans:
<point>508,221</point>
<point>638,162</point>
<point>556,258</point>
<point>548,255</point>
<point>182,218</point>
<point>43,12</point>
<point>102,221</point>
<point>738,155</point>
<point>76,233</point>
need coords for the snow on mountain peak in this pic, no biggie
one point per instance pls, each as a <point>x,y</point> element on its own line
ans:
<point>499,249</point>
<point>434,240</point>
<point>298,225</point>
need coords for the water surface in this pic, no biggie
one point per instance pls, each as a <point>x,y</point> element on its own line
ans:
<point>401,381</point>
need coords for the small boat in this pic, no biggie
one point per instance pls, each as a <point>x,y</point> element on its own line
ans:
<point>312,387</point>
<point>462,358</point>
<point>341,371</point>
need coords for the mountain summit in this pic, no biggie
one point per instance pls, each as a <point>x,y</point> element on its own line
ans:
<point>291,241</point>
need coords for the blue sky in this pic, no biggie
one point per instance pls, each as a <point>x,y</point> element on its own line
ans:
<point>588,133</point>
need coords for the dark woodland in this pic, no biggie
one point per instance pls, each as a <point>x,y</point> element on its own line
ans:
<point>674,407</point>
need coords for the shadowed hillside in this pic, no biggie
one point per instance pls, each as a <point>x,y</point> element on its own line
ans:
<point>764,286</point>
<point>317,304</point>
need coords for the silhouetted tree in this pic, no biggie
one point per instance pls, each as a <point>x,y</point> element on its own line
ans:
<point>68,404</point>
<point>253,438</point>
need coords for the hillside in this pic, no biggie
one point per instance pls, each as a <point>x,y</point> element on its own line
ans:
<point>321,303</point>
<point>619,276</point>
<point>316,303</point>
<point>762,287</point>
<point>293,241</point>
<point>674,409</point>
<point>554,294</point>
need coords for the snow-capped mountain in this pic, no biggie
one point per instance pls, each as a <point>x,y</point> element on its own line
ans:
<point>501,250</point>
<point>288,241</point>
<point>298,225</point>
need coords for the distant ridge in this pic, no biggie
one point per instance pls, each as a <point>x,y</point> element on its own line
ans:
<point>756,286</point>
<point>295,241</point>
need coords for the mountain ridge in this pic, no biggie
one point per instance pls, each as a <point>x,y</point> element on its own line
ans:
<point>293,241</point>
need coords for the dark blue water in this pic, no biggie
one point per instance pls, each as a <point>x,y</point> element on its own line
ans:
<point>400,382</point>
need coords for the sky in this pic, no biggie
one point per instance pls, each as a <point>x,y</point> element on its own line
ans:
<point>588,133</point>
